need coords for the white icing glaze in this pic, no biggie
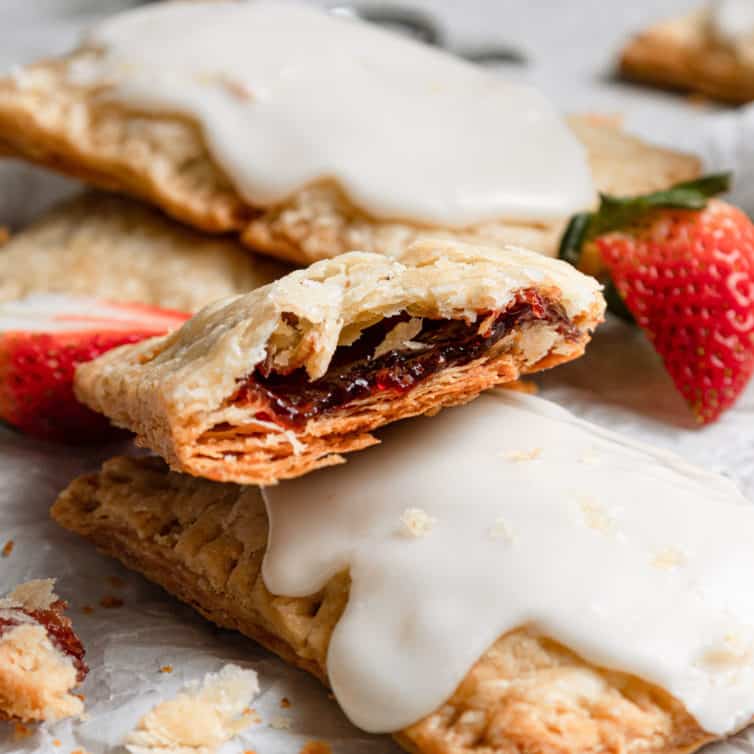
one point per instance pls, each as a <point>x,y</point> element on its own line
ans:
<point>733,21</point>
<point>287,94</point>
<point>510,512</point>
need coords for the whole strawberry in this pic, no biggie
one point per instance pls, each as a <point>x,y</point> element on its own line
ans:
<point>683,267</point>
<point>43,339</point>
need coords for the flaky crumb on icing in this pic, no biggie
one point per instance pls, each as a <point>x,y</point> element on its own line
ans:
<point>38,594</point>
<point>200,718</point>
<point>669,558</point>
<point>517,456</point>
<point>280,723</point>
<point>416,522</point>
<point>731,653</point>
<point>596,515</point>
<point>502,530</point>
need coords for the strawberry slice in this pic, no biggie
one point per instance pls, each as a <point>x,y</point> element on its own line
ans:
<point>42,340</point>
<point>682,266</point>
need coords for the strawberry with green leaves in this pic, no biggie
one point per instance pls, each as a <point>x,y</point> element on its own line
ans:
<point>680,264</point>
<point>42,340</point>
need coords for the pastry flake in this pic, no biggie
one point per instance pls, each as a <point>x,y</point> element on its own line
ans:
<point>41,658</point>
<point>526,693</point>
<point>283,380</point>
<point>201,718</point>
<point>113,248</point>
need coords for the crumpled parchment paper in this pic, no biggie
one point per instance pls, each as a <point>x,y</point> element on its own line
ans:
<point>619,383</point>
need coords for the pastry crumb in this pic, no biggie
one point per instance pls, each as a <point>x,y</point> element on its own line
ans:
<point>166,669</point>
<point>316,747</point>
<point>110,601</point>
<point>416,522</point>
<point>21,731</point>
<point>669,558</point>
<point>87,609</point>
<point>116,582</point>
<point>595,515</point>
<point>201,718</point>
<point>280,723</point>
<point>238,89</point>
<point>285,703</point>
<point>731,653</point>
<point>4,235</point>
<point>38,594</point>
<point>252,715</point>
<point>7,548</point>
<point>57,742</point>
<point>522,455</point>
<point>502,530</point>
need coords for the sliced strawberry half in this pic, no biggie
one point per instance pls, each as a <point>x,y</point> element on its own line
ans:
<point>43,338</point>
<point>682,267</point>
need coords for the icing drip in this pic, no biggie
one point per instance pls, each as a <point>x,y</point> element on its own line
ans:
<point>287,95</point>
<point>511,512</point>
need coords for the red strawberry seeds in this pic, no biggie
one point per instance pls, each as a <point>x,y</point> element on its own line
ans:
<point>36,383</point>
<point>688,279</point>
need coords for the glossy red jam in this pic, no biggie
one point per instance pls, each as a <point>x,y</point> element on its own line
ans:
<point>354,374</point>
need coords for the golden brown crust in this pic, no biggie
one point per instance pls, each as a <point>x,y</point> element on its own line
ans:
<point>682,54</point>
<point>163,160</point>
<point>114,248</point>
<point>178,393</point>
<point>204,542</point>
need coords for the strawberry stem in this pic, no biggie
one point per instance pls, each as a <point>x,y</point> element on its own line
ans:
<point>616,212</point>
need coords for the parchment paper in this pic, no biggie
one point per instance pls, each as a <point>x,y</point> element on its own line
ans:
<point>619,383</point>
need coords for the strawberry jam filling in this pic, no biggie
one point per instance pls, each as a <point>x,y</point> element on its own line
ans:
<point>58,627</point>
<point>354,373</point>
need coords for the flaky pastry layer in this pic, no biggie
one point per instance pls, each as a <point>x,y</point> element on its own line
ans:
<point>117,249</point>
<point>163,159</point>
<point>179,393</point>
<point>682,53</point>
<point>204,542</point>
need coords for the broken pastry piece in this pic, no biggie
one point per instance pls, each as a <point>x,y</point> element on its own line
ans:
<point>41,658</point>
<point>291,376</point>
<point>164,103</point>
<point>117,249</point>
<point>709,51</point>
<point>201,718</point>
